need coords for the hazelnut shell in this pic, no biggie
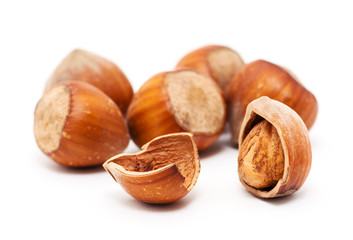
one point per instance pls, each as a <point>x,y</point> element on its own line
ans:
<point>165,170</point>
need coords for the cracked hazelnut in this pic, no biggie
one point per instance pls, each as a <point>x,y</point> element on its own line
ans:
<point>274,149</point>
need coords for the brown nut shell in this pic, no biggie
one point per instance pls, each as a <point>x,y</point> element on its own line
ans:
<point>295,142</point>
<point>81,65</point>
<point>77,125</point>
<point>218,62</point>
<point>262,78</point>
<point>165,170</point>
<point>177,101</point>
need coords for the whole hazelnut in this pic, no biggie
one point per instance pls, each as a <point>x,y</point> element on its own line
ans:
<point>81,65</point>
<point>218,62</point>
<point>262,78</point>
<point>177,101</point>
<point>77,125</point>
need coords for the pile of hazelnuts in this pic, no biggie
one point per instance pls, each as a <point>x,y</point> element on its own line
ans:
<point>89,112</point>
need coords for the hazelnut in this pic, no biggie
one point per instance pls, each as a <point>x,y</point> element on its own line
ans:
<point>85,66</point>
<point>77,125</point>
<point>274,149</point>
<point>218,62</point>
<point>177,101</point>
<point>164,171</point>
<point>261,158</point>
<point>262,78</point>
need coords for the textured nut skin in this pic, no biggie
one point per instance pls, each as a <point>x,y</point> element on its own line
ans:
<point>262,78</point>
<point>150,115</point>
<point>84,66</point>
<point>199,60</point>
<point>160,186</point>
<point>261,158</point>
<point>94,128</point>
<point>295,143</point>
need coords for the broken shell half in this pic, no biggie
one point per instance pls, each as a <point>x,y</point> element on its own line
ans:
<point>295,143</point>
<point>165,170</point>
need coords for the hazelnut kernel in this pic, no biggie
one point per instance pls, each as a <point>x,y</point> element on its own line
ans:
<point>261,158</point>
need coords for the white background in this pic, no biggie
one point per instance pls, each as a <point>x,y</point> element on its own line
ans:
<point>42,200</point>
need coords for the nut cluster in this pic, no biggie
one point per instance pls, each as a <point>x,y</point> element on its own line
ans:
<point>89,111</point>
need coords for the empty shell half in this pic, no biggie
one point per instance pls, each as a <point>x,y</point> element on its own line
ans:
<point>165,170</point>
